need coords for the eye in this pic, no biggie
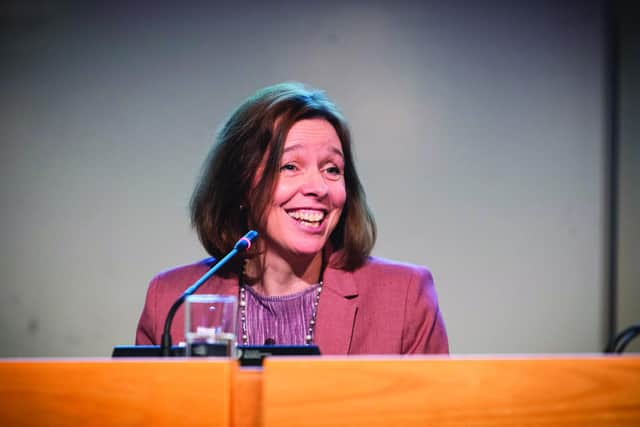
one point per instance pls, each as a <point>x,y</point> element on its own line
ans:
<point>333,171</point>
<point>288,167</point>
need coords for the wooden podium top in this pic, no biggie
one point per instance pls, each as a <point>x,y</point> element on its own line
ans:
<point>323,391</point>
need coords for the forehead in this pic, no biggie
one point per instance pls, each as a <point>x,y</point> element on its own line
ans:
<point>313,133</point>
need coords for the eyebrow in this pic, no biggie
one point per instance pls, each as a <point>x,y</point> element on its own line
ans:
<point>297,147</point>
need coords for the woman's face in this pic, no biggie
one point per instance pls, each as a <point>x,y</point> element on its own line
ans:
<point>310,190</point>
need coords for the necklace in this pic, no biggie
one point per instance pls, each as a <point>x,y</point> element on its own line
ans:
<point>308,339</point>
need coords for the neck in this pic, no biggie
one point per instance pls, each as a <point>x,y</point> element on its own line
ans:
<point>281,276</point>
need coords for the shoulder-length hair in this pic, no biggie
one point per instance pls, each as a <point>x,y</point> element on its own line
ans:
<point>228,200</point>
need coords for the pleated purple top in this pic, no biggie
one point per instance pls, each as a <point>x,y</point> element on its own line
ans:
<point>282,320</point>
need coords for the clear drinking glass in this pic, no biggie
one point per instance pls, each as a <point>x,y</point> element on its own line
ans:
<point>210,325</point>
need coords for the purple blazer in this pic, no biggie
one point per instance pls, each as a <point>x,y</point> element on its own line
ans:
<point>383,307</point>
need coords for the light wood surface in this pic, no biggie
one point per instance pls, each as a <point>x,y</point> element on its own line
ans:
<point>558,391</point>
<point>115,393</point>
<point>554,391</point>
<point>246,397</point>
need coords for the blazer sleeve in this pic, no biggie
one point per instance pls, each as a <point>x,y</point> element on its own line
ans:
<point>424,331</point>
<point>146,325</point>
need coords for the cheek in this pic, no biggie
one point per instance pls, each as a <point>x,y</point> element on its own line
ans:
<point>283,192</point>
<point>339,196</point>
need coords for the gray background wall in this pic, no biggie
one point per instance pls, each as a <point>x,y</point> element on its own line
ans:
<point>479,130</point>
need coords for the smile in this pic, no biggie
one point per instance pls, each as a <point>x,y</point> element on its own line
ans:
<point>307,217</point>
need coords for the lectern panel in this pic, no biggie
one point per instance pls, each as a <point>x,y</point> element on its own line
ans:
<point>115,393</point>
<point>559,391</point>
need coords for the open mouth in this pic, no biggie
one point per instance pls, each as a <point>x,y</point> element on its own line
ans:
<point>308,217</point>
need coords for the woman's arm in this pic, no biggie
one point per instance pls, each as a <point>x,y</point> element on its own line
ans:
<point>424,331</point>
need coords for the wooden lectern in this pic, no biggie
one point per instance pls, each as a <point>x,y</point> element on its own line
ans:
<point>324,391</point>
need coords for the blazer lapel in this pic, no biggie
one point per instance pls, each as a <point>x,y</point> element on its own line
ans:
<point>217,284</point>
<point>220,285</point>
<point>336,312</point>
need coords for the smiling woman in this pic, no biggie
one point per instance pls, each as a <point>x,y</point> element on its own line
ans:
<point>283,165</point>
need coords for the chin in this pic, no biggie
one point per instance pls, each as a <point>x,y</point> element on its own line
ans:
<point>307,250</point>
<point>307,247</point>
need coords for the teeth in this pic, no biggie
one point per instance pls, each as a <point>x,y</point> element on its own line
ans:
<point>308,216</point>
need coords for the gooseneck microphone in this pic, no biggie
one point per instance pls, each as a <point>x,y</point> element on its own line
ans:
<point>241,245</point>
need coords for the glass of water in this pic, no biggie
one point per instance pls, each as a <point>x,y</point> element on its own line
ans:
<point>210,325</point>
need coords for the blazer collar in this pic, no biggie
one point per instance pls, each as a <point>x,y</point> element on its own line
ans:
<point>217,284</point>
<point>336,312</point>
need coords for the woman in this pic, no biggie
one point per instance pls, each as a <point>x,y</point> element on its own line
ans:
<point>283,165</point>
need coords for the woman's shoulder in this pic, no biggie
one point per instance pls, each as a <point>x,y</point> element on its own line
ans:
<point>184,273</point>
<point>378,274</point>
<point>386,267</point>
<point>388,282</point>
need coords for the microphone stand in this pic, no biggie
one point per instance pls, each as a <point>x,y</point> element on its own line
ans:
<point>241,245</point>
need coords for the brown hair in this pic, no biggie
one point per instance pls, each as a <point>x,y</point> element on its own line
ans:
<point>226,202</point>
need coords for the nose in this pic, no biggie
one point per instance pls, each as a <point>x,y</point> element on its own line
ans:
<point>314,184</point>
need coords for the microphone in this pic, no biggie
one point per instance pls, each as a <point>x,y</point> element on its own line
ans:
<point>241,245</point>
